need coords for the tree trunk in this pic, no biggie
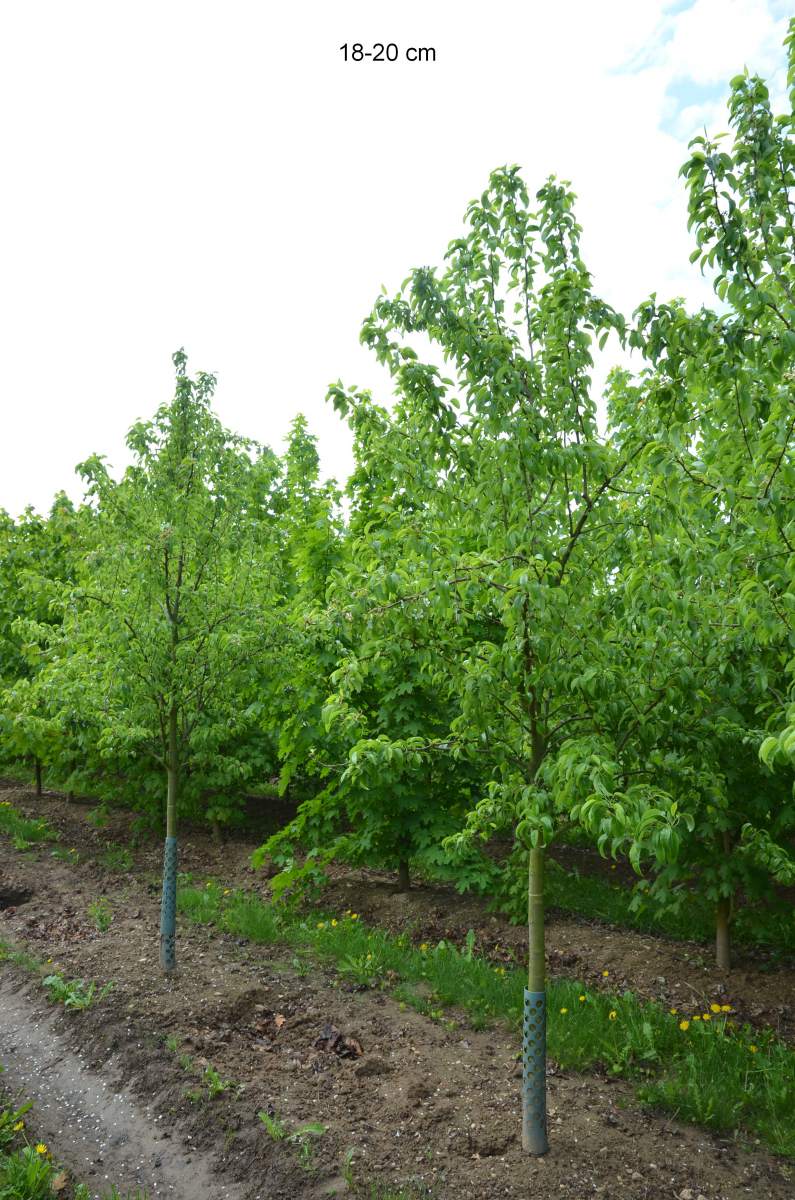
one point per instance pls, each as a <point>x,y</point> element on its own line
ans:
<point>534,1056</point>
<point>37,768</point>
<point>168,905</point>
<point>722,943</point>
<point>404,876</point>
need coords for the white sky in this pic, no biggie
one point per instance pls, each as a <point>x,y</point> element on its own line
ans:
<point>214,175</point>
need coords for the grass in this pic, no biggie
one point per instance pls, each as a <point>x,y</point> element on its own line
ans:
<point>697,1065</point>
<point>23,831</point>
<point>116,858</point>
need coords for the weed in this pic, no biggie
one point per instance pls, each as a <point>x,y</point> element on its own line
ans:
<point>117,858</point>
<point>23,831</point>
<point>68,856</point>
<point>99,816</point>
<point>11,1123</point>
<point>172,1042</point>
<point>215,1085</point>
<point>26,1174</point>
<point>100,913</point>
<point>74,994</point>
<point>186,1062</point>
<point>300,1138</point>
<point>19,958</point>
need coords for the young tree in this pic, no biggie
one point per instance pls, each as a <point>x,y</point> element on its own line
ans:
<point>507,502</point>
<point>718,410</point>
<point>38,557</point>
<point>166,638</point>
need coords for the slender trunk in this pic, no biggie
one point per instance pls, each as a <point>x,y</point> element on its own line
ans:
<point>168,906</point>
<point>534,1058</point>
<point>404,876</point>
<point>722,943</point>
<point>723,914</point>
<point>37,767</point>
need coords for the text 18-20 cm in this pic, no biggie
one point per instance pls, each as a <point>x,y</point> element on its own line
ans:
<point>386,52</point>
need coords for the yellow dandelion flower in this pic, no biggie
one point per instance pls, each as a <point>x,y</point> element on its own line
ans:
<point>564,1010</point>
<point>706,1017</point>
<point>753,1049</point>
<point>581,999</point>
<point>612,1015</point>
<point>227,891</point>
<point>605,974</point>
<point>725,1008</point>
<point>333,920</point>
<point>19,1125</point>
<point>321,924</point>
<point>684,1026</point>
<point>354,916</point>
<point>41,1148</point>
<point>673,1011</point>
<point>696,1017</point>
<point>423,946</point>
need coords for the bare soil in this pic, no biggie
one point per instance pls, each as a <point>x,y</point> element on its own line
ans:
<point>420,1104</point>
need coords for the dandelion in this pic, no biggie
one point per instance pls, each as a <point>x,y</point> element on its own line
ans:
<point>19,1125</point>
<point>753,1049</point>
<point>499,970</point>
<point>227,891</point>
<point>564,1011</point>
<point>41,1148</point>
<point>725,1008</point>
<point>605,974</point>
<point>673,1011</point>
<point>612,1015</point>
<point>684,1025</point>
<point>581,999</point>
<point>321,924</point>
<point>334,921</point>
<point>706,1017</point>
<point>423,946</point>
<point>716,1008</point>
<point>697,1017</point>
<point>354,916</point>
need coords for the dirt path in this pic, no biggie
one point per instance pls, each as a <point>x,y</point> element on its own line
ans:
<point>98,1129</point>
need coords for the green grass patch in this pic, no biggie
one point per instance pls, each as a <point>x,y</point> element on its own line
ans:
<point>708,1072</point>
<point>24,832</point>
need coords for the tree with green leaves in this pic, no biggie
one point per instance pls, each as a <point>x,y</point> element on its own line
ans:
<point>172,626</point>
<point>504,499</point>
<point>718,410</point>
<point>38,557</point>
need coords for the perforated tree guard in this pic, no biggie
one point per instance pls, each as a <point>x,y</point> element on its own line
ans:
<point>534,1082</point>
<point>168,907</point>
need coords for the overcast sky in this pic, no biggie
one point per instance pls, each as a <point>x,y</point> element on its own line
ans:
<point>216,176</point>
